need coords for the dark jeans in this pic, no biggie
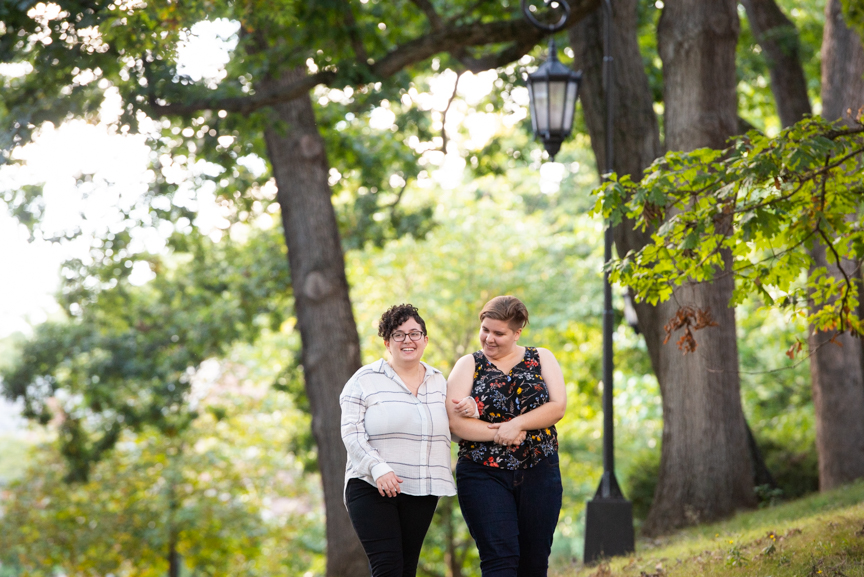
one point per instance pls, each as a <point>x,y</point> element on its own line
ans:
<point>511,515</point>
<point>391,529</point>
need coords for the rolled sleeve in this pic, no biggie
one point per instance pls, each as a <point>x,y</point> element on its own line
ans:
<point>380,470</point>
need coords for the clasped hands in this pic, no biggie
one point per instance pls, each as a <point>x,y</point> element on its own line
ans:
<point>508,433</point>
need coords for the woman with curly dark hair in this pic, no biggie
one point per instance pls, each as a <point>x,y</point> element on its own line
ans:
<point>395,428</point>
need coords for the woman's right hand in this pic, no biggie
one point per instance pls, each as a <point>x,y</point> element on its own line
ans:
<point>467,407</point>
<point>388,484</point>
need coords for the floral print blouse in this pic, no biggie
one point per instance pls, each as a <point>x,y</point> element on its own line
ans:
<point>501,397</point>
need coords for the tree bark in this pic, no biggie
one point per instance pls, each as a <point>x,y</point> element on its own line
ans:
<point>705,469</point>
<point>842,67</point>
<point>836,369</point>
<point>778,38</point>
<point>838,396</point>
<point>331,347</point>
<point>705,472</point>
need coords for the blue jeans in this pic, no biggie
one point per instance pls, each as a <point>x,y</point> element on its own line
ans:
<point>511,515</point>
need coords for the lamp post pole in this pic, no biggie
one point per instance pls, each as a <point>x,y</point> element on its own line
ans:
<point>608,516</point>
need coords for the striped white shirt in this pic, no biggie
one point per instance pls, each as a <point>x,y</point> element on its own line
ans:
<point>386,428</point>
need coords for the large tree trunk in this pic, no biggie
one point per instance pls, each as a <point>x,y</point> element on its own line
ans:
<point>779,41</point>
<point>842,67</point>
<point>838,396</point>
<point>331,348</point>
<point>705,469</point>
<point>705,472</point>
<point>836,369</point>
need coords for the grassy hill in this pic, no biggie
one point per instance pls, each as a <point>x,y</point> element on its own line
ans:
<point>818,536</point>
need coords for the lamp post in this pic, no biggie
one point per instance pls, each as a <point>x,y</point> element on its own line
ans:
<point>608,516</point>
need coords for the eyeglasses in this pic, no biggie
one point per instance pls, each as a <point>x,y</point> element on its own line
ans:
<point>400,336</point>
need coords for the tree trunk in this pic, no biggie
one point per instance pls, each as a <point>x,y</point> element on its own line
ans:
<point>836,369</point>
<point>838,397</point>
<point>705,469</point>
<point>842,67</point>
<point>453,554</point>
<point>779,41</point>
<point>331,347</point>
<point>705,472</point>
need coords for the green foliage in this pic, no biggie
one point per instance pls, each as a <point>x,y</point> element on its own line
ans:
<point>795,468</point>
<point>853,13</point>
<point>125,357</point>
<point>762,201</point>
<point>641,482</point>
<point>223,490</point>
<point>69,54</point>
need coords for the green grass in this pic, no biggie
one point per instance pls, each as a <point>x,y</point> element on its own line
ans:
<point>820,536</point>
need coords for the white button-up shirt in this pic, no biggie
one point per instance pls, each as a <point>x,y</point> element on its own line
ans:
<point>386,428</point>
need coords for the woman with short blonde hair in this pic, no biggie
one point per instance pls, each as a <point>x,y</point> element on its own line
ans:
<point>507,475</point>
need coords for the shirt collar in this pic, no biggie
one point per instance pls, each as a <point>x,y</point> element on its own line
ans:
<point>384,367</point>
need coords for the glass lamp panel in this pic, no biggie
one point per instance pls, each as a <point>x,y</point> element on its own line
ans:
<point>532,106</point>
<point>557,103</point>
<point>540,104</point>
<point>570,105</point>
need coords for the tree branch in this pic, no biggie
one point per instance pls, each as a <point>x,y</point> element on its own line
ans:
<point>845,300</point>
<point>522,35</point>
<point>426,7</point>
<point>446,110</point>
<point>244,104</point>
<point>353,34</point>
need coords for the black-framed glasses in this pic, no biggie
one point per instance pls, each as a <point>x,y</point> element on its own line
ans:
<point>400,336</point>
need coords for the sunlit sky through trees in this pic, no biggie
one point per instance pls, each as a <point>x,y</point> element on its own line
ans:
<point>119,165</point>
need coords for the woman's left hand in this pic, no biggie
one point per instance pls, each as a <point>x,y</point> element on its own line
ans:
<point>509,433</point>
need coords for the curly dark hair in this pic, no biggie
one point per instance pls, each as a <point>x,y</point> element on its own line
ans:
<point>395,316</point>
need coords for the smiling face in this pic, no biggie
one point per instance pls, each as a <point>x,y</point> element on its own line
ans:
<point>497,339</point>
<point>407,351</point>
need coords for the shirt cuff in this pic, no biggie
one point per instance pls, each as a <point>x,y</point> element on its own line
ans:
<point>380,469</point>
<point>476,414</point>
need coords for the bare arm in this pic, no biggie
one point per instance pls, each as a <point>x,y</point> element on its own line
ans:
<point>458,387</point>
<point>543,416</point>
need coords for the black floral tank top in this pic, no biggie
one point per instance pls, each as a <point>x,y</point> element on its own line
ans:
<point>502,397</point>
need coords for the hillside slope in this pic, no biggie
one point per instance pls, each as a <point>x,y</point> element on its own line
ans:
<point>820,536</point>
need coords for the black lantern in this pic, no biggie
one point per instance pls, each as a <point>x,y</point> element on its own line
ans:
<point>552,91</point>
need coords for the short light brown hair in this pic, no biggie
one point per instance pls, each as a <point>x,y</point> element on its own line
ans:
<point>508,309</point>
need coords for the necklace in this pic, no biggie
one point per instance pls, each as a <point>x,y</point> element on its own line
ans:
<point>419,371</point>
